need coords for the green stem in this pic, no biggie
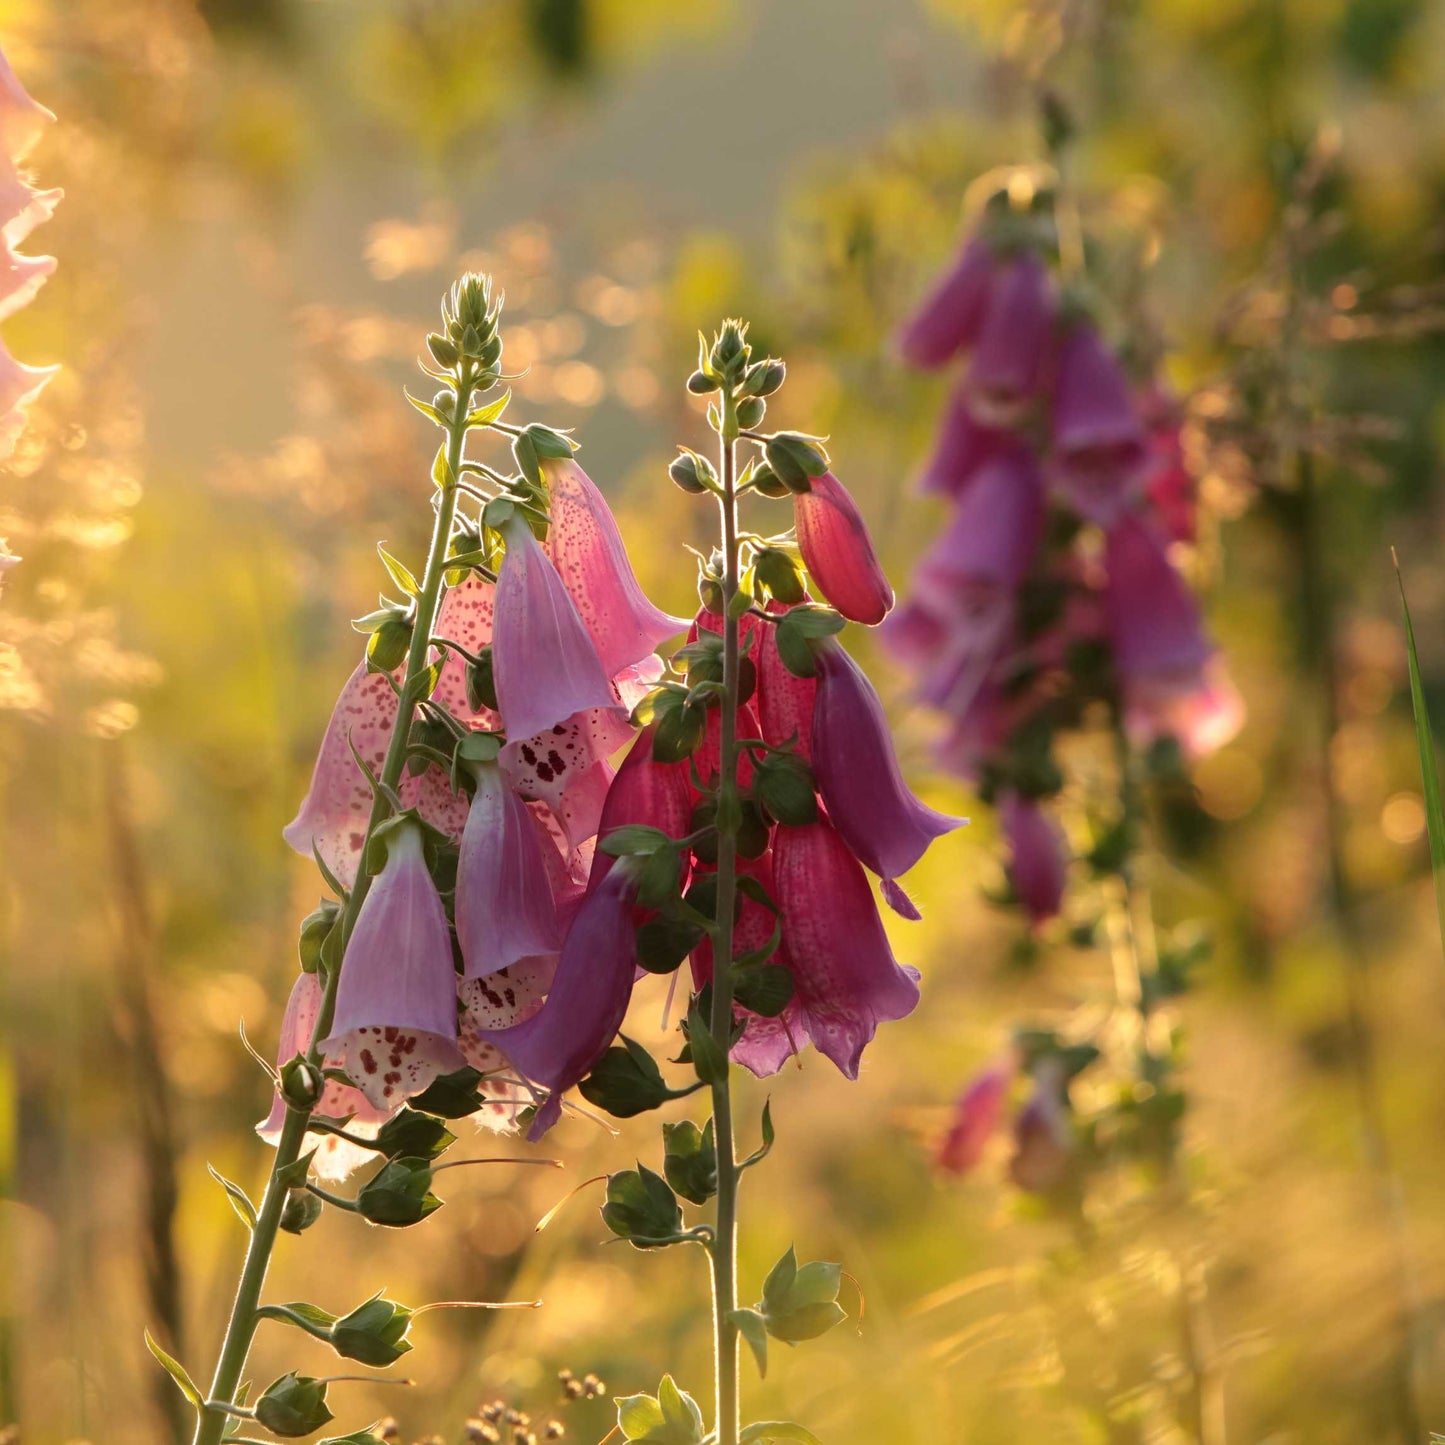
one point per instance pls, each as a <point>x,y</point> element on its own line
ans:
<point>241,1327</point>
<point>728,1419</point>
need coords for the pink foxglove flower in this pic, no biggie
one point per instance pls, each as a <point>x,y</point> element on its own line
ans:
<point>784,700</point>
<point>646,793</point>
<point>1168,483</point>
<point>587,550</point>
<point>976,1117</point>
<point>560,1043</point>
<point>1167,667</point>
<point>845,977</point>
<point>21,119</point>
<point>838,551</point>
<point>870,805</point>
<point>963,446</point>
<point>1007,366</point>
<point>505,908</point>
<point>1038,856</point>
<point>566,768</point>
<point>395,1028</point>
<point>950,316</point>
<point>335,1158</point>
<point>544,662</point>
<point>1098,436</point>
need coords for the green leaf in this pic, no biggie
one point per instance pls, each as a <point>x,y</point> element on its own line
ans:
<point>664,942</point>
<point>690,1160</point>
<point>1429,776</point>
<point>293,1406</point>
<point>626,1082</point>
<point>451,1096</point>
<point>441,470</point>
<point>754,1330</point>
<point>680,1411</point>
<point>774,1430</point>
<point>414,1134</point>
<point>709,1058</point>
<point>633,840</point>
<point>373,1333</point>
<point>638,1416</point>
<point>314,1316</point>
<point>399,1194</point>
<point>293,1175</point>
<point>780,1280</point>
<point>240,1200</point>
<point>801,1302</point>
<point>486,415</point>
<point>548,442</point>
<point>176,1371</point>
<point>425,408</point>
<point>399,572</point>
<point>766,1147</point>
<point>767,988</point>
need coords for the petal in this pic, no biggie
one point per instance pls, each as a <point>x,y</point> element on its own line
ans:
<point>1013,340</point>
<point>563,769</point>
<point>587,549</point>
<point>21,118</point>
<point>845,974</point>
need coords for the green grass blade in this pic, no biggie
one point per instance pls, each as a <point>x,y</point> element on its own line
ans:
<point>1429,777</point>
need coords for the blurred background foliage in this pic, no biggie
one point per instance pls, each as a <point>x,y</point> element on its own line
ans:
<point>265,200</point>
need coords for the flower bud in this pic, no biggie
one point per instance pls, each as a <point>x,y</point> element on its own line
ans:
<point>445,401</point>
<point>700,383</point>
<point>691,472</point>
<point>373,1333</point>
<point>301,1210</point>
<point>443,350</point>
<point>301,1083</point>
<point>315,930</point>
<point>779,573</point>
<point>765,377</point>
<point>387,647</point>
<point>399,1194</point>
<point>293,1406</point>
<point>730,347</point>
<point>751,411</point>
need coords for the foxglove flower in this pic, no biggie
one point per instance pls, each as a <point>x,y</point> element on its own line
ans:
<point>1038,856</point>
<point>950,316</point>
<point>505,908</point>
<point>963,446</point>
<point>976,1117</point>
<point>1166,665</point>
<point>544,663</point>
<point>560,1043</point>
<point>334,1157</point>
<point>870,805</point>
<point>845,977</point>
<point>1007,366</point>
<point>838,551</point>
<point>21,119</point>
<point>784,700</point>
<point>1097,434</point>
<point>587,550</point>
<point>1043,1137</point>
<point>645,793</point>
<point>395,1028</point>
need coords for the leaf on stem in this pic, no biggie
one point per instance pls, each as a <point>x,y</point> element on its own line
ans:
<point>176,1371</point>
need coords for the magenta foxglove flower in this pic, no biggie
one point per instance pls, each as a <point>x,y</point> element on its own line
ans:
<point>645,793</point>
<point>951,314</point>
<point>1008,362</point>
<point>334,1158</point>
<point>505,909</point>
<point>544,663</point>
<point>870,805</point>
<point>1038,856</point>
<point>1168,483</point>
<point>1098,436</point>
<point>395,1028</point>
<point>845,977</point>
<point>784,700</point>
<point>587,550</point>
<point>838,551</point>
<point>976,1117</point>
<point>963,446</point>
<point>767,1043</point>
<point>333,815</point>
<point>559,1044</point>
<point>1167,667</point>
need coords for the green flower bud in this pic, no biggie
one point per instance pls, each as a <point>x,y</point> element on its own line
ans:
<point>751,411</point>
<point>445,401</point>
<point>691,472</point>
<point>471,340</point>
<point>700,383</point>
<point>315,930</point>
<point>443,350</point>
<point>780,574</point>
<point>301,1210</point>
<point>766,481</point>
<point>301,1083</point>
<point>374,1333</point>
<point>399,1194</point>
<point>387,647</point>
<point>293,1406</point>
<point>765,377</point>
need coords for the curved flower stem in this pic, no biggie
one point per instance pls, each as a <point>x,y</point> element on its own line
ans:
<point>241,1327</point>
<point>727,1420</point>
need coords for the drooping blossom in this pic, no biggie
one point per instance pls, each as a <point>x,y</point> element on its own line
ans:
<point>1098,438</point>
<point>587,1001</point>
<point>1007,364</point>
<point>1042,1135</point>
<point>505,907</point>
<point>949,318</point>
<point>784,700</point>
<point>846,980</point>
<point>838,552</point>
<point>1038,856</point>
<point>544,661</point>
<point>587,550</point>
<point>335,1157</point>
<point>963,445</point>
<point>976,1116</point>
<point>874,810</point>
<point>645,793</point>
<point>395,1027</point>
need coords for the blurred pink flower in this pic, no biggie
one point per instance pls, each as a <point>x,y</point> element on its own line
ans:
<point>976,1117</point>
<point>395,1027</point>
<point>1038,856</point>
<point>1007,366</point>
<point>949,317</point>
<point>838,551</point>
<point>963,445</point>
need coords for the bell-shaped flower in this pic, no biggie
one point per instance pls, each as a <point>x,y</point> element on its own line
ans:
<point>845,977</point>
<point>838,551</point>
<point>1098,436</point>
<point>395,1027</point>
<point>1167,667</point>
<point>334,813</point>
<point>497,1002</point>
<point>544,663</point>
<point>1167,481</point>
<point>1038,856</point>
<point>587,1002</point>
<point>587,550</point>
<point>976,1117</point>
<point>21,118</point>
<point>334,1157</point>
<point>767,1041</point>
<point>870,805</point>
<point>645,793</point>
<point>1007,366</point>
<point>566,768</point>
<point>19,386</point>
<point>963,445</point>
<point>20,278</point>
<point>949,318</point>
<point>784,700</point>
<point>505,908</point>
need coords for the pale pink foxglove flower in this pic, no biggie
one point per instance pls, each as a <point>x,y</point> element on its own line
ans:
<point>395,1028</point>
